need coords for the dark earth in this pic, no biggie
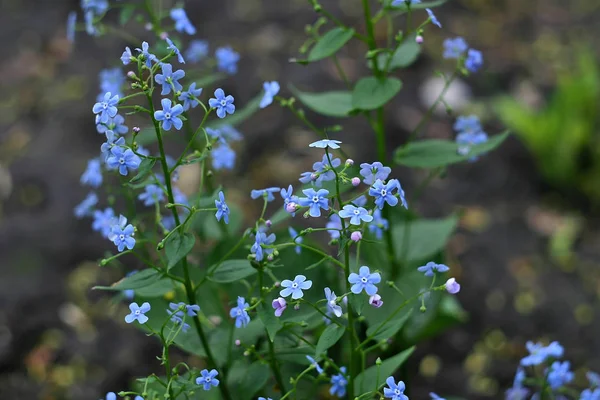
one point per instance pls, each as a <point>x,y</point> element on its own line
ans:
<point>60,341</point>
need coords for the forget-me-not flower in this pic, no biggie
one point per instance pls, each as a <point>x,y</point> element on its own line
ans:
<point>121,234</point>
<point>271,89</point>
<point>432,267</point>
<point>189,97</point>
<point>268,192</point>
<point>223,104</point>
<point>593,378</point>
<point>152,194</point>
<point>356,214</point>
<point>124,159</point>
<point>394,391</point>
<point>467,140</point>
<point>169,78</point>
<point>364,280</point>
<point>190,309</point>
<point>372,172</point>
<point>452,286</point>
<point>560,374</point>
<point>589,394</point>
<point>378,225</point>
<point>177,319</point>
<point>85,207</point>
<point>92,175</point>
<point>227,59</point>
<point>467,124</point>
<point>197,50</point>
<point>455,48</point>
<point>334,225</point>
<point>222,208</point>
<point>207,379</point>
<point>288,197</point>
<point>107,108</point>
<point>279,304</point>
<point>111,396</point>
<point>397,3</point>
<point>146,55</point>
<point>434,396</point>
<point>384,193</point>
<point>338,384</point>
<point>297,239</point>
<point>239,313</point>
<point>332,304</point>
<point>169,116</point>
<point>324,143</point>
<point>433,18</point>
<point>295,287</point>
<point>538,353</point>
<point>103,221</point>
<point>223,157</point>
<point>138,313</point>
<point>182,22</point>
<point>315,364</point>
<point>127,56</point>
<point>111,80</point>
<point>474,60</point>
<point>116,124</point>
<point>261,240</point>
<point>171,46</point>
<point>315,200</point>
<point>323,170</point>
<point>112,140</point>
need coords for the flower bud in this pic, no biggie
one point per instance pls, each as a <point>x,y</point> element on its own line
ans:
<point>270,257</point>
<point>419,39</point>
<point>291,207</point>
<point>452,286</point>
<point>148,26</point>
<point>136,129</point>
<point>268,223</point>
<point>356,236</point>
<point>297,307</point>
<point>313,177</point>
<point>349,162</point>
<point>131,75</point>
<point>238,342</point>
<point>375,301</point>
<point>277,284</point>
<point>164,35</point>
<point>355,181</point>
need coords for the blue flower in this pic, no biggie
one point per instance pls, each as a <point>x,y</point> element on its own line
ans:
<point>323,170</point>
<point>197,50</point>
<point>315,364</point>
<point>107,108</point>
<point>338,384</point>
<point>103,221</point>
<point>92,175</point>
<point>127,56</point>
<point>227,59</point>
<point>560,374</point>
<point>356,214</point>
<point>306,177</point>
<point>360,201</point>
<point>433,18</point>
<point>268,192</point>
<point>295,287</point>
<point>455,48</point>
<point>182,23</point>
<point>222,208</point>
<point>116,124</point>
<point>152,194</point>
<point>297,240</point>
<point>95,6</point>
<point>84,208</point>
<point>125,160</point>
<point>121,234</point>
<point>435,396</point>
<point>190,310</point>
<point>207,379</point>
<point>516,393</point>
<point>324,143</point>
<point>364,280</point>
<point>332,305</point>
<point>383,193</point>
<point>379,224</point>
<point>71,24</point>
<point>223,157</point>
<point>230,133</point>
<point>432,267</point>
<point>111,396</point>
<point>223,104</point>
<point>397,3</point>
<point>169,115</point>
<point>146,55</point>
<point>239,313</point>
<point>474,60</point>
<point>171,46</point>
<point>189,97</point>
<point>288,197</point>
<point>394,391</point>
<point>334,225</point>
<point>467,140</point>
<point>89,23</point>
<point>261,240</point>
<point>468,124</point>
<point>111,80</point>
<point>168,78</point>
<point>112,140</point>
<point>593,378</point>
<point>271,89</point>
<point>588,394</point>
<point>315,201</point>
<point>177,319</point>
<point>372,172</point>
<point>138,313</point>
<point>538,353</point>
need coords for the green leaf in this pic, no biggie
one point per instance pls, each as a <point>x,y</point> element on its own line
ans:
<point>136,281</point>
<point>126,13</point>
<point>436,153</point>
<point>371,93</point>
<point>423,237</point>
<point>406,54</point>
<point>331,104</point>
<point>156,289</point>
<point>420,6</point>
<point>357,301</point>
<point>448,313</point>
<point>231,271</point>
<point>255,377</point>
<point>368,379</point>
<point>178,246</point>
<point>195,158</point>
<point>390,328</point>
<point>330,43</point>
<point>269,320</point>
<point>329,337</point>
<point>144,169</point>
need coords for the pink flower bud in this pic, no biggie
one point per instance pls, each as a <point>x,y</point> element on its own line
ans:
<point>277,284</point>
<point>297,307</point>
<point>313,177</point>
<point>291,207</point>
<point>270,257</point>
<point>164,35</point>
<point>131,74</point>
<point>349,162</point>
<point>268,223</point>
<point>375,301</point>
<point>136,129</point>
<point>279,304</point>
<point>238,342</point>
<point>355,181</point>
<point>452,286</point>
<point>419,39</point>
<point>356,236</point>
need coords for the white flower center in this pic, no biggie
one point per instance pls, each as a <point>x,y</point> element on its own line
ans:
<point>122,237</point>
<point>223,102</point>
<point>363,280</point>
<point>383,192</point>
<point>168,115</point>
<point>137,312</point>
<point>121,160</point>
<point>208,379</point>
<point>239,312</point>
<point>315,199</point>
<point>356,212</point>
<point>397,391</point>
<point>294,285</point>
<point>105,105</point>
<point>332,303</point>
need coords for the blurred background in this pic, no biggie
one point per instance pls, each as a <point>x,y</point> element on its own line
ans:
<point>527,251</point>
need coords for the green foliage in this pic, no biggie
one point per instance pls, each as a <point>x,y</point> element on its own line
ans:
<point>177,246</point>
<point>330,43</point>
<point>371,92</point>
<point>374,377</point>
<point>331,104</point>
<point>330,336</point>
